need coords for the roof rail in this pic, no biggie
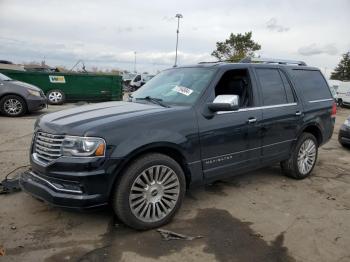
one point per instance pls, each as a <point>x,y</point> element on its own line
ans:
<point>272,61</point>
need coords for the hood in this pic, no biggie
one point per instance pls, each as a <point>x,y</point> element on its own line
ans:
<point>80,120</point>
<point>26,85</point>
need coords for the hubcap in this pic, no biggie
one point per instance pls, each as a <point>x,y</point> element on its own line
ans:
<point>306,156</point>
<point>13,106</point>
<point>154,193</point>
<point>55,97</point>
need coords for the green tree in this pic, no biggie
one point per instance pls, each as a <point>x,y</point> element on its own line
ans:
<point>236,47</point>
<point>342,71</point>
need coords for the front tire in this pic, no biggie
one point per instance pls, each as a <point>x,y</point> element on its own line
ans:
<point>56,97</point>
<point>13,105</point>
<point>303,158</point>
<point>150,192</point>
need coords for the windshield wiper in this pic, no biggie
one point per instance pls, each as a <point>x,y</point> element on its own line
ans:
<point>153,100</point>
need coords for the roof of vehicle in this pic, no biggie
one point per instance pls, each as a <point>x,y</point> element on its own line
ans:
<point>260,62</point>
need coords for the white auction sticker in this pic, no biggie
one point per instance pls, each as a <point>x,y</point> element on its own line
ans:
<point>183,90</point>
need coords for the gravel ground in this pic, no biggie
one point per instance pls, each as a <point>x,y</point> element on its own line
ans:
<point>259,216</point>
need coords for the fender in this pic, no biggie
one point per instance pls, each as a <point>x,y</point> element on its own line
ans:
<point>147,139</point>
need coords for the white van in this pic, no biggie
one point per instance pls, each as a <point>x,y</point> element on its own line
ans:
<point>139,80</point>
<point>343,94</point>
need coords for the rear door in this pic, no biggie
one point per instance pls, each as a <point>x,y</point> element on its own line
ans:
<point>282,113</point>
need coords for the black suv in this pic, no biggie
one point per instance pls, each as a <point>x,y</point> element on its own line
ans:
<point>187,126</point>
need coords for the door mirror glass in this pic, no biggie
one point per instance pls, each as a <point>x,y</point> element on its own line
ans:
<point>224,103</point>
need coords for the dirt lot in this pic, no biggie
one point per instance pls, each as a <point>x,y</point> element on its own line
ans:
<point>260,216</point>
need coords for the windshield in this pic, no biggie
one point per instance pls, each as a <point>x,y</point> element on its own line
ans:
<point>4,78</point>
<point>176,86</point>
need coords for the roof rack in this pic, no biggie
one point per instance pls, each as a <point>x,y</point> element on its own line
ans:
<point>210,62</point>
<point>272,61</point>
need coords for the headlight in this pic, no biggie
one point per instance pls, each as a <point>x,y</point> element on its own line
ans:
<point>347,122</point>
<point>83,146</point>
<point>33,92</point>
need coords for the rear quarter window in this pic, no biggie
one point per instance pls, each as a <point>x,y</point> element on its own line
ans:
<point>312,84</point>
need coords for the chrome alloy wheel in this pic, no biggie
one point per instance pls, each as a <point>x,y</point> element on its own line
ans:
<point>55,97</point>
<point>154,193</point>
<point>306,156</point>
<point>13,106</point>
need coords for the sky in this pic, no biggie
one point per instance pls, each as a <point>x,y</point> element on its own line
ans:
<point>107,33</point>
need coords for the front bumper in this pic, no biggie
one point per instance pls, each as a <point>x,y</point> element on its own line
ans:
<point>35,103</point>
<point>47,191</point>
<point>71,183</point>
<point>344,135</point>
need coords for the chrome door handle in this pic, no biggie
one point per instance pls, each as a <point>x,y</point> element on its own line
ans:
<point>298,113</point>
<point>251,120</point>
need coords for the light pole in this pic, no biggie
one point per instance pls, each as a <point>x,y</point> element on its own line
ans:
<point>178,16</point>
<point>135,62</point>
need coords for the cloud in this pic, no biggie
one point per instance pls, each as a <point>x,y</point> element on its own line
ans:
<point>272,25</point>
<point>168,18</point>
<point>314,49</point>
<point>99,55</point>
<point>32,30</point>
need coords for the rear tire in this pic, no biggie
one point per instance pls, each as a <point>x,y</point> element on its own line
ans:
<point>340,103</point>
<point>149,192</point>
<point>13,106</point>
<point>303,158</point>
<point>56,97</point>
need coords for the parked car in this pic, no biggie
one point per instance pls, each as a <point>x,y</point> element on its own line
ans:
<point>61,87</point>
<point>343,94</point>
<point>334,93</point>
<point>18,98</point>
<point>186,126</point>
<point>139,80</point>
<point>127,77</point>
<point>146,78</point>
<point>344,133</point>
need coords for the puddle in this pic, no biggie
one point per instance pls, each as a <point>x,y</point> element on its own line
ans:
<point>225,237</point>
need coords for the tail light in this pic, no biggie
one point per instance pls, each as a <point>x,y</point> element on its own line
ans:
<point>334,109</point>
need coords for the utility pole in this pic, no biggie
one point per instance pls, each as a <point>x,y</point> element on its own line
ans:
<point>135,62</point>
<point>178,16</point>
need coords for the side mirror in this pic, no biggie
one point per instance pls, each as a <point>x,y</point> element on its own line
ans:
<point>224,103</point>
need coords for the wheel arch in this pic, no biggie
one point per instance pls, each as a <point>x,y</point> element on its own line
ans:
<point>315,130</point>
<point>168,149</point>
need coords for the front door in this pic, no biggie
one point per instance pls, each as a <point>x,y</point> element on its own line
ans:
<point>230,140</point>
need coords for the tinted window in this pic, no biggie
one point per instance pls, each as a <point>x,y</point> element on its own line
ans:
<point>272,86</point>
<point>288,88</point>
<point>313,85</point>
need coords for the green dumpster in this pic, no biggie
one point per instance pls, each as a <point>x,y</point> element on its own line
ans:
<point>60,87</point>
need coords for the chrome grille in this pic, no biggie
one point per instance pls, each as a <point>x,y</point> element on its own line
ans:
<point>47,147</point>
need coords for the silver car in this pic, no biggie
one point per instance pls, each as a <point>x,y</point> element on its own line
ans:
<point>18,98</point>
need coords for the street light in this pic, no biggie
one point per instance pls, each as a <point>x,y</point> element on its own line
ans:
<point>178,16</point>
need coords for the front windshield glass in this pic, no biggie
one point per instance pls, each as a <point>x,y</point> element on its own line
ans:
<point>4,78</point>
<point>180,86</point>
